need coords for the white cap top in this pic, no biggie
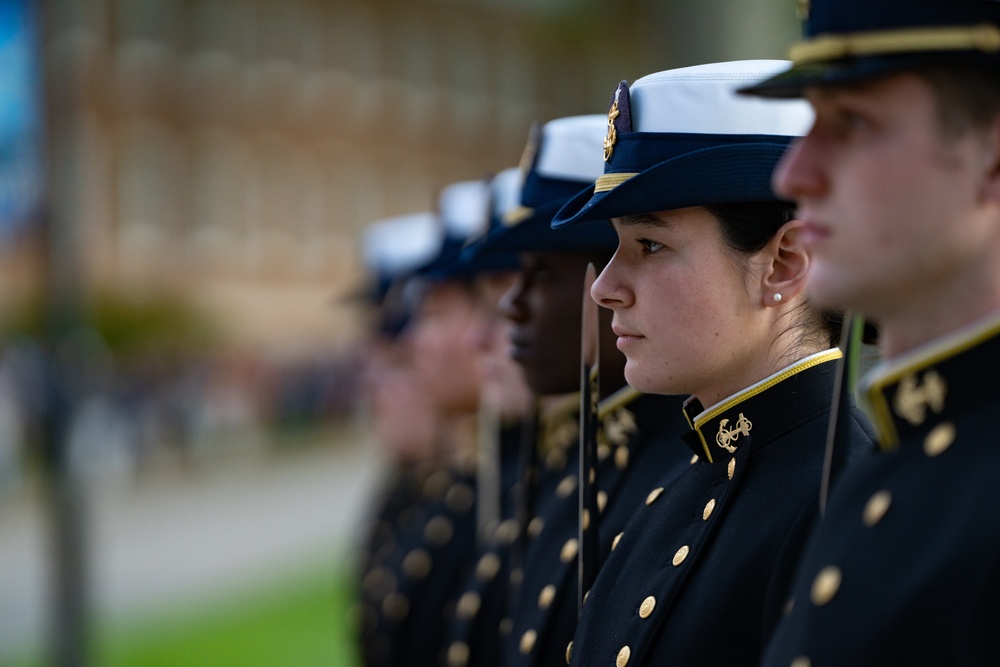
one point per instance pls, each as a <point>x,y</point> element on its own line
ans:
<point>702,99</point>
<point>572,148</point>
<point>400,244</point>
<point>506,187</point>
<point>464,208</point>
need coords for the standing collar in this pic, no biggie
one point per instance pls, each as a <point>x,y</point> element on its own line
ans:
<point>763,410</point>
<point>946,376</point>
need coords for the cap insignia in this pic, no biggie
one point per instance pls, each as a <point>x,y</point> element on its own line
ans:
<point>619,119</point>
<point>612,137</point>
<point>530,149</point>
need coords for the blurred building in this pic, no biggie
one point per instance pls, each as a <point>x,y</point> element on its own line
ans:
<point>230,150</point>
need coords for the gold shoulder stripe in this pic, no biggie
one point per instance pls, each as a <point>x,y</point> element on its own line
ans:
<point>985,38</point>
<point>609,182</point>
<point>517,215</point>
<point>619,399</point>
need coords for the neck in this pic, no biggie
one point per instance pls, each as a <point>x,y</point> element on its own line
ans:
<point>936,312</point>
<point>783,345</point>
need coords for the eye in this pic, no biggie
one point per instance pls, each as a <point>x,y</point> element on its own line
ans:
<point>537,274</point>
<point>850,121</point>
<point>649,247</point>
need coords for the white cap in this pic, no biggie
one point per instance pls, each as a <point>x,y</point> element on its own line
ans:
<point>393,246</point>
<point>703,100</point>
<point>506,188</point>
<point>572,148</point>
<point>464,209</point>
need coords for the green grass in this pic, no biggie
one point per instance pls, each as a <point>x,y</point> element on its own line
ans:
<point>300,621</point>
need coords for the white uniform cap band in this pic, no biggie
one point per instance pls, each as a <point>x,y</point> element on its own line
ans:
<point>464,208</point>
<point>400,244</point>
<point>572,148</point>
<point>702,100</point>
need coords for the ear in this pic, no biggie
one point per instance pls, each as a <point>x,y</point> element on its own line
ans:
<point>786,266</point>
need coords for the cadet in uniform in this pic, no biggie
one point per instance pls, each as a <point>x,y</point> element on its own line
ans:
<point>708,292</point>
<point>403,422</point>
<point>435,536</point>
<point>545,307</point>
<point>898,185</point>
<point>479,604</point>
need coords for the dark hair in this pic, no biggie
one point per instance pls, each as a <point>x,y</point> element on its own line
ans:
<point>967,97</point>
<point>746,228</point>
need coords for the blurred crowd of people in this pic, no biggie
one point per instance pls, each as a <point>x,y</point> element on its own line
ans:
<point>132,414</point>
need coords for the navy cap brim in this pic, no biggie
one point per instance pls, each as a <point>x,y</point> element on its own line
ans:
<point>471,263</point>
<point>725,174</point>
<point>793,82</point>
<point>535,234</point>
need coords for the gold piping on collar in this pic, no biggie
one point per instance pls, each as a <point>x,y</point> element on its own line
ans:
<point>699,420</point>
<point>619,399</point>
<point>985,38</point>
<point>798,367</point>
<point>609,182</point>
<point>891,371</point>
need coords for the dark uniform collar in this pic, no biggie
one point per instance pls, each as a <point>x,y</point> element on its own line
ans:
<point>760,412</point>
<point>559,425</point>
<point>947,376</point>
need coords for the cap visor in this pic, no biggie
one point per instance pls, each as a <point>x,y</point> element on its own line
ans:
<point>536,234</point>
<point>722,174</point>
<point>793,82</point>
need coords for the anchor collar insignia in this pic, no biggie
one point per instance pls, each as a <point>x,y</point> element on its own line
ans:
<point>908,396</point>
<point>763,411</point>
<point>560,420</point>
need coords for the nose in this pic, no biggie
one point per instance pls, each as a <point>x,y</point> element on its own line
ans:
<point>799,174</point>
<point>511,304</point>
<point>611,290</point>
<point>478,335</point>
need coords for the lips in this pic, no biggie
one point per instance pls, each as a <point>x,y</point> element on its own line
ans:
<point>520,345</point>
<point>626,337</point>
<point>622,332</point>
<point>813,232</point>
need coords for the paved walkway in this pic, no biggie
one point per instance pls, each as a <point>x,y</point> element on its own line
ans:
<point>183,535</point>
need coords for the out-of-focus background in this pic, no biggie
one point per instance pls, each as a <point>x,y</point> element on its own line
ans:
<point>182,187</point>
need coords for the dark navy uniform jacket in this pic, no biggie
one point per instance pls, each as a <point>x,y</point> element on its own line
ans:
<point>634,452</point>
<point>473,636</point>
<point>700,574</point>
<point>905,567</point>
<point>413,568</point>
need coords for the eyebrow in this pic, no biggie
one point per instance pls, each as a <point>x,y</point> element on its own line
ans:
<point>643,220</point>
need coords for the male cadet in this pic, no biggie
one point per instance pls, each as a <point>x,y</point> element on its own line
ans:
<point>898,184</point>
<point>435,540</point>
<point>545,306</point>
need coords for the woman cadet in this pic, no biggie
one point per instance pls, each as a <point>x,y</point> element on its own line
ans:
<point>708,292</point>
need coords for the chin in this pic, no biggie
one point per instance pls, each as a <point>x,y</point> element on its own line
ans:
<point>639,380</point>
<point>829,290</point>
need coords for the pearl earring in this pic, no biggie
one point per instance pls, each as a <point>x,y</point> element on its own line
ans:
<point>777,297</point>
